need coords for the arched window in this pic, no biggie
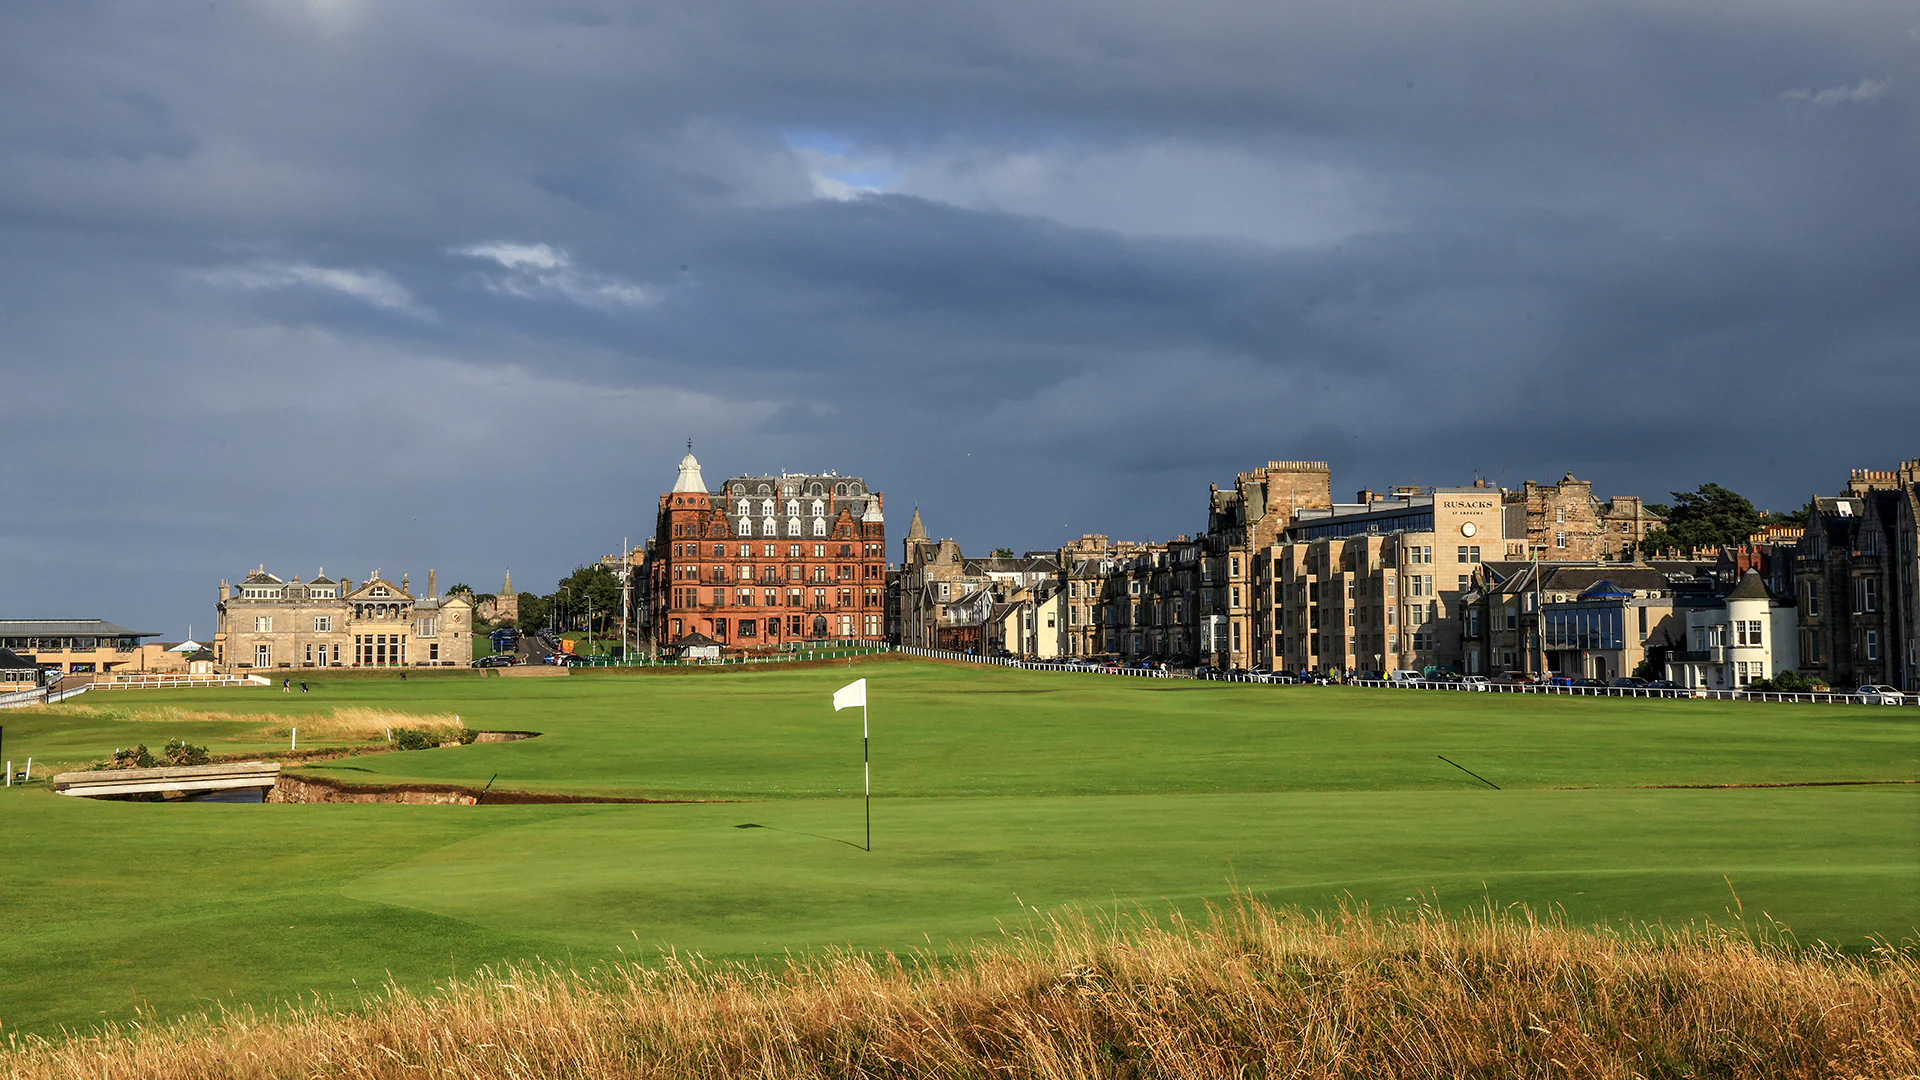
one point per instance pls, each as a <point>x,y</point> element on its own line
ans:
<point>839,489</point>
<point>820,526</point>
<point>819,626</point>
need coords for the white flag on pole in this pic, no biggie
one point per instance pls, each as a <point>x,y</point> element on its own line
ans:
<point>851,696</point>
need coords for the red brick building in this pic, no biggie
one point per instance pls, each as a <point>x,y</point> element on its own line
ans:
<point>768,560</point>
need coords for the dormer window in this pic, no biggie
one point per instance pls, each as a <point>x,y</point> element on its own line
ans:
<point>819,508</point>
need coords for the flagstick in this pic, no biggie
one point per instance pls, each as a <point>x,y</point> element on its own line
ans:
<point>866,763</point>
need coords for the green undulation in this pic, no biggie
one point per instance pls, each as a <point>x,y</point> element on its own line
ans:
<point>999,796</point>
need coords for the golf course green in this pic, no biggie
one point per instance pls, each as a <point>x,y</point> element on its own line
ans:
<point>999,795</point>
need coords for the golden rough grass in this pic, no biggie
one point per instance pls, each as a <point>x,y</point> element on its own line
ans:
<point>351,722</point>
<point>1250,992</point>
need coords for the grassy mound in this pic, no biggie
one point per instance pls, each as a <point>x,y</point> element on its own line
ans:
<point>1249,991</point>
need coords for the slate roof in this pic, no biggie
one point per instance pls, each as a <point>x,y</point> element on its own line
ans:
<point>65,628</point>
<point>1578,579</point>
<point>1750,588</point>
<point>9,659</point>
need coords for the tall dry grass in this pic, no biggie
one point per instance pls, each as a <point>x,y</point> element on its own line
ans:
<point>349,722</point>
<point>1249,992</point>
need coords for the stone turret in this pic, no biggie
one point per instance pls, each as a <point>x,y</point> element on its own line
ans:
<point>918,546</point>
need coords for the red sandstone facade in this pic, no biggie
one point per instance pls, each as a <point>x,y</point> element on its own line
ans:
<point>767,561</point>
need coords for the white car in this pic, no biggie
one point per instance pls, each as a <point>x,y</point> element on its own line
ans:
<point>1404,678</point>
<point>1881,695</point>
<point>1477,682</point>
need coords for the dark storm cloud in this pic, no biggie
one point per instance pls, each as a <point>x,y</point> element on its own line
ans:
<point>409,285</point>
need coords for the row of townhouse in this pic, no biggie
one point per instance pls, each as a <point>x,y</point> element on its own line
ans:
<point>1545,579</point>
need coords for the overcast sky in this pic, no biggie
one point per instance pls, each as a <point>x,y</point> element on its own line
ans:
<point>371,285</point>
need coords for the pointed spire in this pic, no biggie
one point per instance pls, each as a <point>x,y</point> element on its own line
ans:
<point>507,589</point>
<point>915,530</point>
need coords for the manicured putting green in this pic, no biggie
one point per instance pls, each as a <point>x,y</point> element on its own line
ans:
<point>999,792</point>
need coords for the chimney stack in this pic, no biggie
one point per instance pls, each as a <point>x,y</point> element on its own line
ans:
<point>1364,496</point>
<point>433,584</point>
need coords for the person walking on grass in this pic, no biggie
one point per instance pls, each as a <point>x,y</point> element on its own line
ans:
<point>286,686</point>
<point>303,686</point>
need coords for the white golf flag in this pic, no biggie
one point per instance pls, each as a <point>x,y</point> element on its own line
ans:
<point>851,696</point>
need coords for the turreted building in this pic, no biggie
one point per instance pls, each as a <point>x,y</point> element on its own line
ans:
<point>765,561</point>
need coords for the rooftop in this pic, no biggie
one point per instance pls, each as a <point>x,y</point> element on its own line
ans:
<point>66,628</point>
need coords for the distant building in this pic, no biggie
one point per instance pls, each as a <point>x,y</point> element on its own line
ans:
<point>767,560</point>
<point>267,624</point>
<point>1857,582</point>
<point>82,646</point>
<point>1745,636</point>
<point>1242,524</point>
<point>503,607</point>
<point>949,601</point>
<point>1564,521</point>
<point>1375,585</point>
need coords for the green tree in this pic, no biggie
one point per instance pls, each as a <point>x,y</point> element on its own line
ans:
<point>1003,553</point>
<point>461,587</point>
<point>1712,516</point>
<point>589,588</point>
<point>534,611</point>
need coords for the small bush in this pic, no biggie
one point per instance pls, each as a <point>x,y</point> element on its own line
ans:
<point>181,752</point>
<point>406,738</point>
<point>131,757</point>
<point>1791,682</point>
<point>467,735</point>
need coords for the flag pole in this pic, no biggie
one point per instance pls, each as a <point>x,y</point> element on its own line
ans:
<point>866,764</point>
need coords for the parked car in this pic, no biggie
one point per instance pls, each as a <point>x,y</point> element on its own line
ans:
<point>1880,695</point>
<point>1627,682</point>
<point>1663,684</point>
<point>496,660</point>
<point>1477,682</point>
<point>504,640</point>
<point>1590,684</point>
<point>1404,678</point>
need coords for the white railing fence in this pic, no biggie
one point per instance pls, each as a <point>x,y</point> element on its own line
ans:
<point>1029,665</point>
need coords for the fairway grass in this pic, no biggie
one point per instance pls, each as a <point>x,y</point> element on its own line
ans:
<point>1000,795</point>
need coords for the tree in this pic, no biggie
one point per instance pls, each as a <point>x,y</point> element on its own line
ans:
<point>462,587</point>
<point>534,610</point>
<point>1003,553</point>
<point>1710,517</point>
<point>590,588</point>
<point>1791,517</point>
